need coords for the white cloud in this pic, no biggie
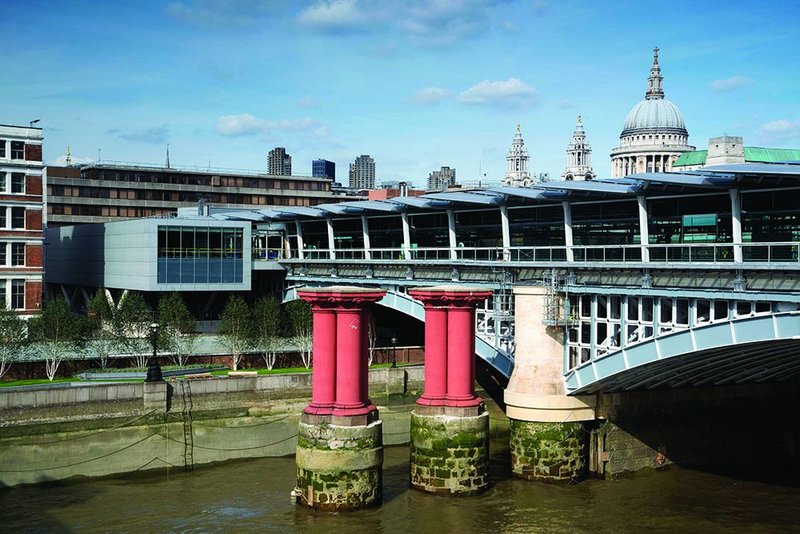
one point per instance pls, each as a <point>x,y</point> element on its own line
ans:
<point>307,102</point>
<point>779,126</point>
<point>216,13</point>
<point>510,93</point>
<point>427,22</point>
<point>242,124</point>
<point>780,131</point>
<point>730,84</point>
<point>61,160</point>
<point>429,96</point>
<point>156,135</point>
<point>335,16</point>
<point>247,124</point>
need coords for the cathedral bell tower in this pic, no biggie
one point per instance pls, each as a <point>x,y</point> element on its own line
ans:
<point>579,156</point>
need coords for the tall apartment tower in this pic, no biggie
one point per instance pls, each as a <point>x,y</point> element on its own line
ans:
<point>279,163</point>
<point>21,219</point>
<point>441,179</point>
<point>579,156</point>
<point>322,168</point>
<point>362,173</point>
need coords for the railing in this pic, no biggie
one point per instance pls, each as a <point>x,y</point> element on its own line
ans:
<point>694,253</point>
<point>267,254</point>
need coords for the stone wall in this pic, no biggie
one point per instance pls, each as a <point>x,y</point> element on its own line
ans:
<point>105,429</point>
<point>746,431</point>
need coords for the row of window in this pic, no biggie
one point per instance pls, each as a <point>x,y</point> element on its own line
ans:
<point>17,149</point>
<point>602,323</point>
<point>17,301</point>
<point>13,251</point>
<point>205,180</point>
<point>17,218</point>
<point>766,217</point>
<point>12,181</point>
<point>177,196</point>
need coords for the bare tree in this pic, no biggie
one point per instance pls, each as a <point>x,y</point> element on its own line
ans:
<point>372,336</point>
<point>301,321</point>
<point>177,333</point>
<point>268,324</point>
<point>131,327</point>
<point>13,339</point>
<point>235,328</point>
<point>101,343</point>
<point>58,333</point>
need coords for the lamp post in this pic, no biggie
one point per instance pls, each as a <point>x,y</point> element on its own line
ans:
<point>394,352</point>
<point>153,369</point>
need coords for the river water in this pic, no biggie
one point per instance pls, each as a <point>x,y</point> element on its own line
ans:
<point>253,495</point>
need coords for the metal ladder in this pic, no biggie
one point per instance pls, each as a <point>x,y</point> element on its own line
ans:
<point>188,431</point>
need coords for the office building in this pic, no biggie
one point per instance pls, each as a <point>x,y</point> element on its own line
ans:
<point>103,192</point>
<point>279,163</point>
<point>322,168</point>
<point>21,218</point>
<point>441,179</point>
<point>362,173</point>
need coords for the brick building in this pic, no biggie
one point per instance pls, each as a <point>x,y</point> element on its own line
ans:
<point>21,218</point>
<point>103,192</point>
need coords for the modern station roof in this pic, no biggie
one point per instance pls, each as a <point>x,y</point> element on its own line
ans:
<point>716,177</point>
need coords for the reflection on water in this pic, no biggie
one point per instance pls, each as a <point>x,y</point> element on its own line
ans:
<point>253,495</point>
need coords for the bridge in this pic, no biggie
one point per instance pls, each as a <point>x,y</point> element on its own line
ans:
<point>627,265</point>
<point>601,289</point>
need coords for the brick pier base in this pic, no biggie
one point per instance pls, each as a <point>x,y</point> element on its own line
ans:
<point>450,450</point>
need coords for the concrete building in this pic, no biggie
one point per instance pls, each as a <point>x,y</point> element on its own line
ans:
<point>654,135</point>
<point>322,168</point>
<point>107,191</point>
<point>21,218</point>
<point>579,156</point>
<point>362,173</point>
<point>727,150</point>
<point>279,163</point>
<point>441,179</point>
<point>517,162</point>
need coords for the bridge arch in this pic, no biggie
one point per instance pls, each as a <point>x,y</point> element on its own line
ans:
<point>403,303</point>
<point>754,349</point>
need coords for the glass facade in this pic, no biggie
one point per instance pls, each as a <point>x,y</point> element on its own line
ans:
<point>429,230</point>
<point>386,232</point>
<point>200,255</point>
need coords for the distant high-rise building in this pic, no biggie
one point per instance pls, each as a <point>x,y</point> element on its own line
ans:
<point>362,173</point>
<point>517,162</point>
<point>279,163</point>
<point>442,179</point>
<point>579,156</point>
<point>322,168</point>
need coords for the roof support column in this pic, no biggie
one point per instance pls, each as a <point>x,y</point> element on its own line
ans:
<point>644,230</point>
<point>406,236</point>
<point>736,224</point>
<point>506,233</point>
<point>568,230</point>
<point>331,241</point>
<point>365,230</point>
<point>451,233</point>
<point>300,244</point>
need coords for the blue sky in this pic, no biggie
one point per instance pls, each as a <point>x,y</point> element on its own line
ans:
<point>416,84</point>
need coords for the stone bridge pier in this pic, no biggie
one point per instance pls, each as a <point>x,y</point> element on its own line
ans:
<point>450,424</point>
<point>548,437</point>
<point>339,441</point>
